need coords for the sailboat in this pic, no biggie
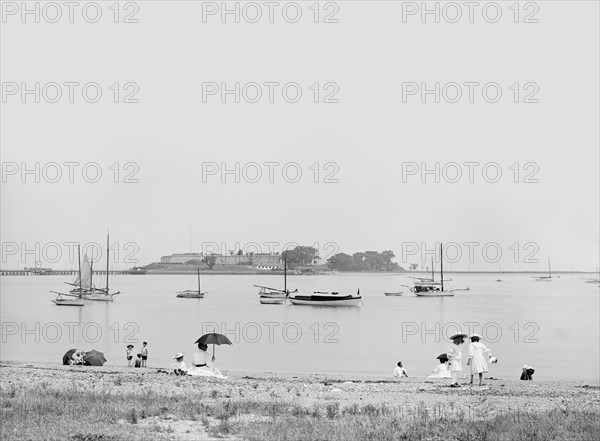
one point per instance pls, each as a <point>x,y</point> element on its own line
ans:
<point>273,296</point>
<point>69,299</point>
<point>431,288</point>
<point>547,278</point>
<point>499,279</point>
<point>192,294</point>
<point>101,294</point>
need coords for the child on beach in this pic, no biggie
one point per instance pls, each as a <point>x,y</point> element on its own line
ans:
<point>455,357</point>
<point>144,353</point>
<point>476,359</point>
<point>129,353</point>
<point>179,366</point>
<point>138,361</point>
<point>399,371</point>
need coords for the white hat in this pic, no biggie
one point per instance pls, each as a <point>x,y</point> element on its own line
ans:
<point>178,355</point>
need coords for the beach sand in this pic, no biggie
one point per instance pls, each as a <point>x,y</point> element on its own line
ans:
<point>110,403</point>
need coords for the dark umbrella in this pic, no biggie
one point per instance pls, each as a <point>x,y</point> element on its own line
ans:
<point>94,358</point>
<point>442,357</point>
<point>68,355</point>
<point>213,339</point>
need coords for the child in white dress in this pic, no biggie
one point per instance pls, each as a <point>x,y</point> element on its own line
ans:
<point>477,360</point>
<point>455,357</point>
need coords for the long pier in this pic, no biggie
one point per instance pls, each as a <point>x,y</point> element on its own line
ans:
<point>63,272</point>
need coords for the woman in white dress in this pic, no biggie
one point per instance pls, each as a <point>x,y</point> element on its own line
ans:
<point>442,370</point>
<point>455,357</point>
<point>477,359</point>
<point>203,363</point>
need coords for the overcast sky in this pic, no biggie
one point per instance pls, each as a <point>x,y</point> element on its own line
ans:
<point>368,141</point>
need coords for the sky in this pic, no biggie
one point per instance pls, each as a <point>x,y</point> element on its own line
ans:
<point>362,134</point>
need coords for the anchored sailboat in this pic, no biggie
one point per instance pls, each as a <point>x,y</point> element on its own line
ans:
<point>273,296</point>
<point>192,294</point>
<point>547,278</point>
<point>101,294</point>
<point>70,299</point>
<point>429,287</point>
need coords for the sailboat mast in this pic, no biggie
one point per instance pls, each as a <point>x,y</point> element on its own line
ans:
<point>442,267</point>
<point>107,259</point>
<point>549,269</point>
<point>199,280</point>
<point>432,271</point>
<point>91,272</point>
<point>285,274</point>
<point>79,265</point>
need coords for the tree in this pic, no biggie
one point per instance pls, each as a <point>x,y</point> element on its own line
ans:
<point>387,256</point>
<point>210,261</point>
<point>341,262</point>
<point>300,256</point>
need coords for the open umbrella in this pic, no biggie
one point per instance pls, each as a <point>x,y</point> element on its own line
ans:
<point>441,356</point>
<point>94,358</point>
<point>214,339</point>
<point>68,355</point>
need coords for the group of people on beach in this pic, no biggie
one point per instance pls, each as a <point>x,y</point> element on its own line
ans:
<point>451,363</point>
<point>141,358</point>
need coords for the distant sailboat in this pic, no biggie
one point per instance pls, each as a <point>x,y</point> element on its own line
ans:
<point>499,279</point>
<point>70,299</point>
<point>101,294</point>
<point>190,293</point>
<point>273,296</point>
<point>547,278</point>
<point>431,288</point>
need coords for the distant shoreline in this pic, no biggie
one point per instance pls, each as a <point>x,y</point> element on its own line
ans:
<point>6,273</point>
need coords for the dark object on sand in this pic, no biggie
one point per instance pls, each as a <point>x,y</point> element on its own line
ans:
<point>68,355</point>
<point>94,358</point>
<point>527,373</point>
<point>213,339</point>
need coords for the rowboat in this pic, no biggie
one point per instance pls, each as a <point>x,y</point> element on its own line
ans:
<point>319,298</point>
<point>399,293</point>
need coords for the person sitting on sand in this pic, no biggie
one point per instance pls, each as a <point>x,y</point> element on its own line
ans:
<point>399,371</point>
<point>138,361</point>
<point>442,370</point>
<point>129,353</point>
<point>477,360</point>
<point>527,373</point>
<point>455,357</point>
<point>203,364</point>
<point>179,366</point>
<point>76,358</point>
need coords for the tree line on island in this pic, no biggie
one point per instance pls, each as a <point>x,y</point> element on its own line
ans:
<point>302,256</point>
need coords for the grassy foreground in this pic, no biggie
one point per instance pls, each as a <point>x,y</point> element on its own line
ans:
<point>90,405</point>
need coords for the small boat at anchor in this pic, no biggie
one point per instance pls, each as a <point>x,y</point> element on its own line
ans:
<point>431,288</point>
<point>547,278</point>
<point>90,292</point>
<point>70,299</point>
<point>399,293</point>
<point>320,298</point>
<point>273,296</point>
<point>190,293</point>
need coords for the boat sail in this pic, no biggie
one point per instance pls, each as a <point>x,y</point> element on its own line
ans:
<point>273,296</point>
<point>101,294</point>
<point>192,294</point>
<point>70,299</point>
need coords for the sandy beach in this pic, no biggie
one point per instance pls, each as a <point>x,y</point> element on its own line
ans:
<point>112,403</point>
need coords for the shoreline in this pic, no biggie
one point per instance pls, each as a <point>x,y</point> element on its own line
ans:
<point>141,402</point>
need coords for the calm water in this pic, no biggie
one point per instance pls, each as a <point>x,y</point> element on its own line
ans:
<point>551,326</point>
